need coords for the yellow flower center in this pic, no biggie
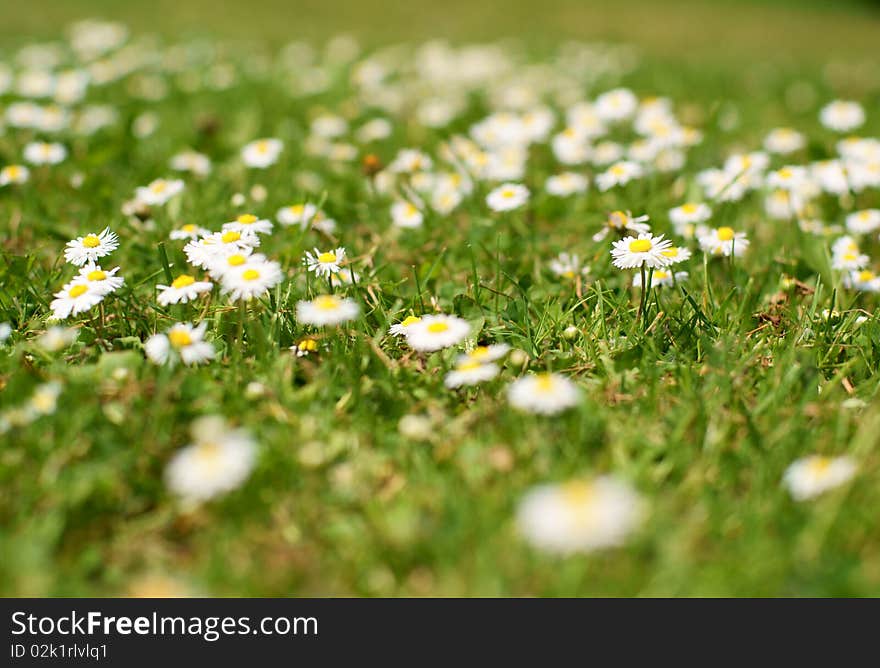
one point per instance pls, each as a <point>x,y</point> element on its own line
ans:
<point>618,170</point>
<point>230,237</point>
<point>189,227</point>
<point>247,218</point>
<point>208,453</point>
<point>96,275</point>
<point>689,207</point>
<point>617,219</point>
<point>308,345</point>
<point>785,173</point>
<point>250,274</point>
<point>327,257</point>
<point>77,290</point>
<point>91,241</point>
<point>158,186</point>
<point>470,365</point>
<point>671,252</point>
<point>437,327</point>
<point>725,233</point>
<point>577,493</point>
<point>182,281</point>
<point>849,257</point>
<point>544,382</point>
<point>262,146</point>
<point>409,320</point>
<point>640,246</point>
<point>864,215</point>
<point>661,275</point>
<point>819,465</point>
<point>866,275</point>
<point>13,171</point>
<point>179,338</point>
<point>479,352</point>
<point>296,209</point>
<point>326,303</point>
<point>236,260</point>
<point>507,194</point>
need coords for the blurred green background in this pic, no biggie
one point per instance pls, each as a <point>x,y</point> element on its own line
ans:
<point>722,30</point>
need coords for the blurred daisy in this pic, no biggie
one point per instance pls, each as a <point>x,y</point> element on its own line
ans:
<point>622,222</point>
<point>507,197</point>
<point>723,241</point>
<point>862,222</point>
<point>483,354</point>
<point>261,153</point>
<point>252,279</point>
<point>248,222</point>
<point>57,338</point>
<point>90,247</point>
<point>688,214</point>
<point>399,329</point>
<point>326,263</point>
<point>864,280</point>
<point>580,516</point>
<point>43,153</point>
<point>191,161</point>
<point>619,174</point>
<point>297,214</point>
<point>470,372</point>
<point>677,254</point>
<point>100,280</point>
<point>616,105</point>
<point>207,251</point>
<point>568,266</point>
<point>566,184</point>
<point>842,116</point>
<point>188,231</point>
<point>661,278</point>
<point>645,250</point>
<point>74,299</point>
<point>435,332</point>
<point>158,192</point>
<point>14,174</point>
<point>327,310</point>
<point>182,341</point>
<point>218,461</point>
<point>813,475</point>
<point>185,288</point>
<point>406,214</point>
<point>784,141</point>
<point>544,393</point>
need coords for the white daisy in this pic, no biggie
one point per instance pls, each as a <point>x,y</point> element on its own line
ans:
<point>842,116</point>
<point>470,372</point>
<point>435,332</point>
<point>567,265</point>
<point>813,475</point>
<point>102,281</point>
<point>620,222</point>
<point>327,310</point>
<point>248,222</point>
<point>219,461</point>
<point>43,153</point>
<point>261,153</point>
<point>644,250</point>
<point>619,174</point>
<point>689,213</point>
<point>544,394</point>
<point>158,192</point>
<point>399,329</point>
<point>326,263</point>
<point>661,278</point>
<point>191,161</point>
<point>405,214</point>
<point>182,341</point>
<point>484,354</point>
<point>784,141</point>
<point>863,222</point>
<point>580,516</point>
<point>723,241</point>
<point>74,299</point>
<point>188,231</point>
<point>864,280</point>
<point>253,279</point>
<point>14,174</point>
<point>507,197</point>
<point>90,247</point>
<point>208,250</point>
<point>297,214</point>
<point>566,184</point>
<point>183,289</point>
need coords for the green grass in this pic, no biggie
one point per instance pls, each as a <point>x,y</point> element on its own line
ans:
<point>737,376</point>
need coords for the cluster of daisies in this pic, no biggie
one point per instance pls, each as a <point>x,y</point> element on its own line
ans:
<point>605,145</point>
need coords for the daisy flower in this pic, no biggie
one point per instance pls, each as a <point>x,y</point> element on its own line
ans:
<point>484,354</point>
<point>470,372</point>
<point>248,222</point>
<point>723,241</point>
<point>326,263</point>
<point>327,310</point>
<point>262,153</point>
<point>619,174</point>
<point>864,280</point>
<point>784,141</point>
<point>567,265</point>
<point>252,279</point>
<point>57,338</point>
<point>842,116</point>
<point>344,276</point>
<point>862,222</point>
<point>208,250</point>
<point>689,213</point>
<point>406,214</point>
<point>435,332</point>
<point>14,174</point>
<point>620,222</point>
<point>218,461</point>
<point>399,329</point>
<point>444,200</point>
<point>191,161</point>
<point>813,475</point>
<point>74,299</point>
<point>616,105</point>
<point>661,278</point>
<point>183,289</point>
<point>188,231</point>
<point>183,342</point>
<point>297,214</point>
<point>544,393</point>
<point>102,281</point>
<point>43,153</point>
<point>90,247</point>
<point>566,184</point>
<point>507,197</point>
<point>677,254</point>
<point>580,516</point>
<point>645,250</point>
<point>222,264</point>
<point>305,347</point>
<point>158,192</point>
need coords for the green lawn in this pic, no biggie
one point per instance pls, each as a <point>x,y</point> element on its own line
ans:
<point>700,404</point>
